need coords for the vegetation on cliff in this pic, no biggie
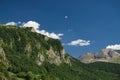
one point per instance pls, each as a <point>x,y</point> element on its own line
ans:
<point>27,55</point>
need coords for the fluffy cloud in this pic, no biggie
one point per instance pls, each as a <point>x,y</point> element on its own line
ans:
<point>33,24</point>
<point>11,23</point>
<point>55,36</point>
<point>114,47</point>
<point>51,35</point>
<point>36,26</point>
<point>79,42</point>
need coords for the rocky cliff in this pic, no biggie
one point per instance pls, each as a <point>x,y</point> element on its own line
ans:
<point>21,40</point>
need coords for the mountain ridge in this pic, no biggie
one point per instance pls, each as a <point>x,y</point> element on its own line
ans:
<point>105,55</point>
<point>52,47</point>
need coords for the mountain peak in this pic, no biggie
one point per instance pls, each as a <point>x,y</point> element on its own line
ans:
<point>25,41</point>
<point>105,55</point>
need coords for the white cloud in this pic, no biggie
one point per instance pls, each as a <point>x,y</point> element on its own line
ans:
<point>11,23</point>
<point>51,35</point>
<point>114,47</point>
<point>66,17</point>
<point>36,26</point>
<point>33,24</point>
<point>79,42</point>
<point>60,34</point>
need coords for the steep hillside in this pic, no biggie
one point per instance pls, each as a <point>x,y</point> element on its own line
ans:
<point>108,67</point>
<point>106,55</point>
<point>27,55</point>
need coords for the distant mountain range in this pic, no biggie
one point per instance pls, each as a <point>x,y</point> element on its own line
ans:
<point>105,55</point>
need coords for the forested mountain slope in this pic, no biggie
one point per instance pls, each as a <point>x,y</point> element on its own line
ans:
<point>27,55</point>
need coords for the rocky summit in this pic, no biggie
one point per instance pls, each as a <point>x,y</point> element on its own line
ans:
<point>105,55</point>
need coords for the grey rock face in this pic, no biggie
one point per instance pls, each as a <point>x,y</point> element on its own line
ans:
<point>105,55</point>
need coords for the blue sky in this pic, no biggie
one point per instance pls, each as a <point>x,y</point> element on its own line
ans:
<point>96,21</point>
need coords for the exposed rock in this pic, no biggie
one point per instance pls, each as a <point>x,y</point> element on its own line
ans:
<point>57,57</point>
<point>33,30</point>
<point>28,48</point>
<point>106,55</point>
<point>46,38</point>
<point>53,57</point>
<point>38,45</point>
<point>3,59</point>
<point>41,59</point>
<point>68,60</point>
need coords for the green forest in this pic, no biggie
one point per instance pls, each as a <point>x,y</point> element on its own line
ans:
<point>17,63</point>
